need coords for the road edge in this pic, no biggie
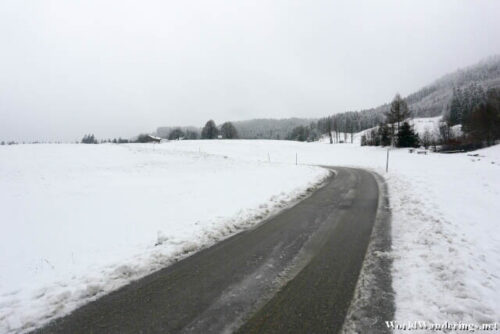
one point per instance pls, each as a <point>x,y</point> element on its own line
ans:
<point>373,300</point>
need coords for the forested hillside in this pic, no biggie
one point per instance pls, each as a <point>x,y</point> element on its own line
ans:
<point>432,100</point>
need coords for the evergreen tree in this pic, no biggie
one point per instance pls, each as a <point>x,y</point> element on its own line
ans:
<point>228,131</point>
<point>463,102</point>
<point>329,128</point>
<point>407,136</point>
<point>398,113</point>
<point>455,112</point>
<point>210,130</point>
<point>299,133</point>
<point>472,96</point>
<point>384,135</point>
<point>483,124</point>
<point>89,139</point>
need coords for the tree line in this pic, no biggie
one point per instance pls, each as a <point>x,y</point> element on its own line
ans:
<point>395,130</point>
<point>476,113</point>
<point>210,131</point>
<point>340,127</point>
<point>471,121</point>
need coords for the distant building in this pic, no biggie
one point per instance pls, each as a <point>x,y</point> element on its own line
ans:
<point>154,139</point>
<point>147,139</point>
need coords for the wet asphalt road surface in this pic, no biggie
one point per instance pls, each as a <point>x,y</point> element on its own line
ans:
<point>294,273</point>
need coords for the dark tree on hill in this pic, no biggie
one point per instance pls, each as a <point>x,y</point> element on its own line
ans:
<point>329,128</point>
<point>384,135</point>
<point>483,124</point>
<point>176,134</point>
<point>349,122</point>
<point>407,136</point>
<point>299,133</point>
<point>122,141</point>
<point>304,133</point>
<point>473,95</point>
<point>454,115</point>
<point>463,102</point>
<point>397,113</point>
<point>445,133</point>
<point>228,131</point>
<point>209,131</point>
<point>89,139</point>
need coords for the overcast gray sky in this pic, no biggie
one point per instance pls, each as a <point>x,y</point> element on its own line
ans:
<point>118,67</point>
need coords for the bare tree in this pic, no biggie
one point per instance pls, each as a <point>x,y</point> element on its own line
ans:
<point>398,113</point>
<point>330,129</point>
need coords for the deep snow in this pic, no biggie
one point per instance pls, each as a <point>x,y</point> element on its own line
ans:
<point>80,220</point>
<point>445,211</point>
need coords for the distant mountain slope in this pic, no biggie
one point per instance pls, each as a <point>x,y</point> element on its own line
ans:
<point>432,100</point>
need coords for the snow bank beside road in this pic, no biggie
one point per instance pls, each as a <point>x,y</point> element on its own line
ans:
<point>446,249</point>
<point>445,214</point>
<point>80,220</point>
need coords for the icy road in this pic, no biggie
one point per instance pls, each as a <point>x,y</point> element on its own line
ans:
<point>295,272</point>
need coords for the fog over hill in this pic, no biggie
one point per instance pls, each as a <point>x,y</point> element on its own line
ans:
<point>433,99</point>
<point>430,101</point>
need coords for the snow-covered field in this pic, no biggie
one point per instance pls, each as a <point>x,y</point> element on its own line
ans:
<point>80,220</point>
<point>84,219</point>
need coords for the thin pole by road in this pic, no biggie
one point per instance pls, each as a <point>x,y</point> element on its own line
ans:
<point>387,162</point>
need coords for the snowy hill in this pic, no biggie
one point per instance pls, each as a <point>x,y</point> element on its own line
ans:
<point>432,100</point>
<point>429,124</point>
<point>420,125</point>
